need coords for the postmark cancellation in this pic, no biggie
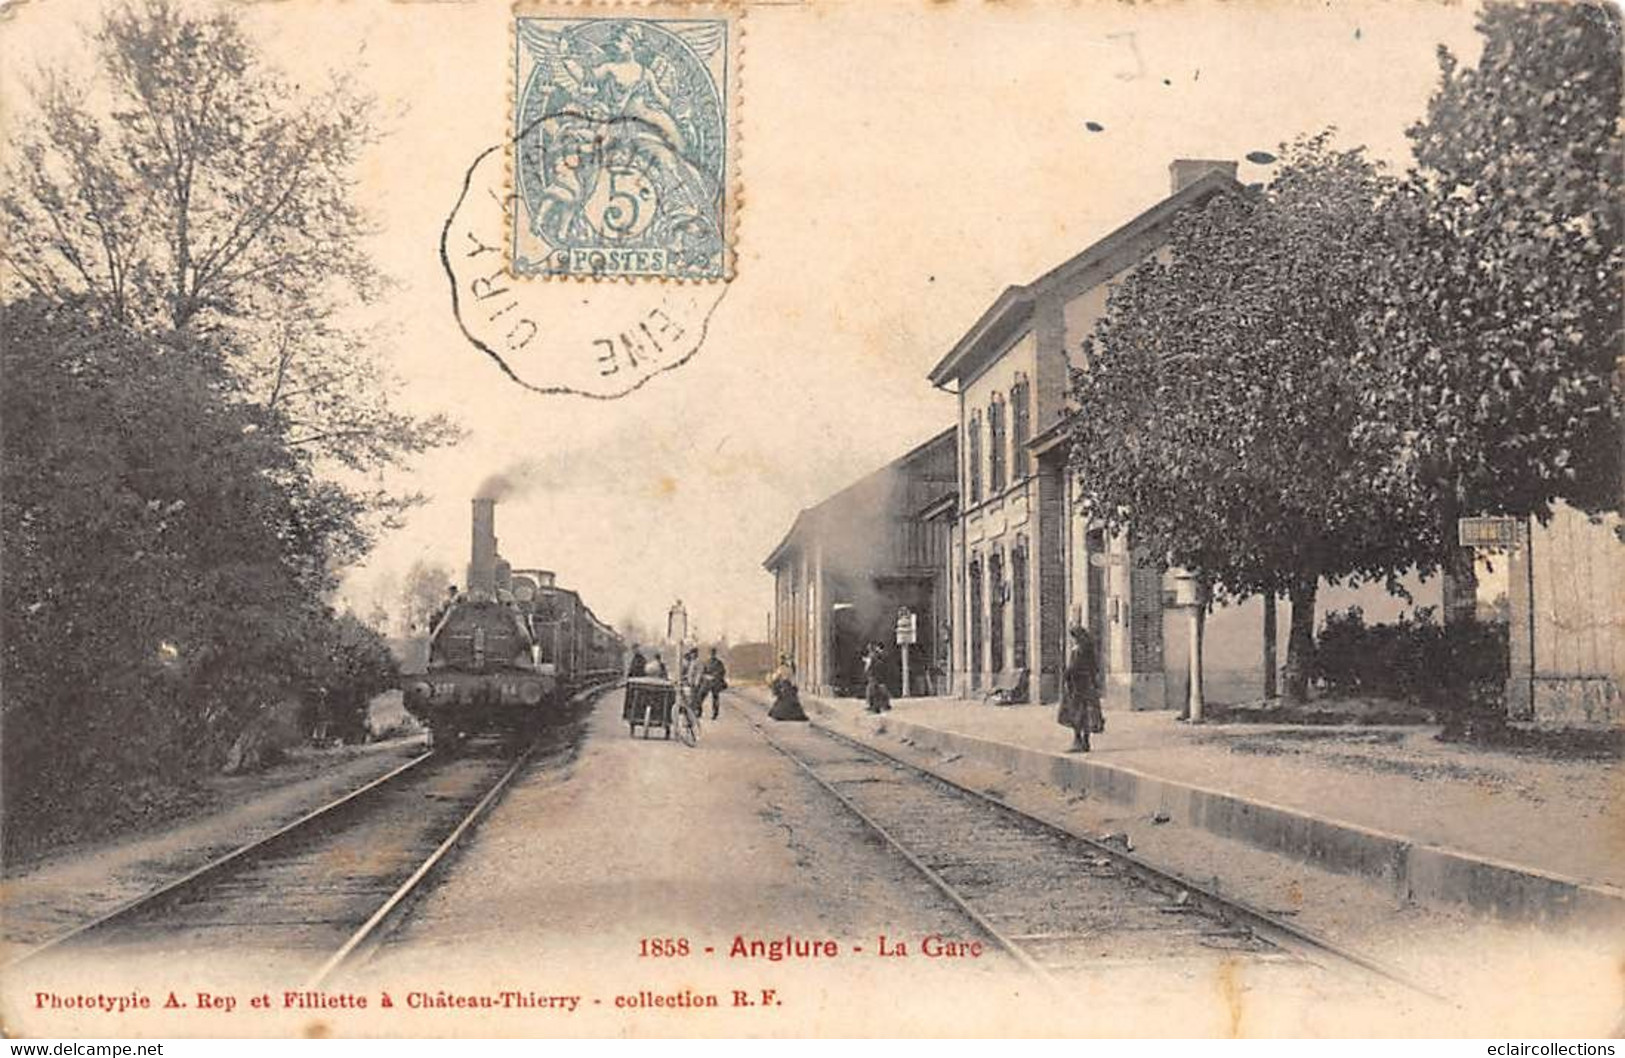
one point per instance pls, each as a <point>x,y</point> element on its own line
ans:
<point>623,161</point>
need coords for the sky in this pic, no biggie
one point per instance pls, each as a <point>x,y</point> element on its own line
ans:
<point>900,163</point>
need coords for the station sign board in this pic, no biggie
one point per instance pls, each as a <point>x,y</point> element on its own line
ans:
<point>907,627</point>
<point>1487,532</point>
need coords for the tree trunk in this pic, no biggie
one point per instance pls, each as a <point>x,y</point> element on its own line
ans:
<point>1458,580</point>
<point>1458,586</point>
<point>1300,644</point>
<point>1271,689</point>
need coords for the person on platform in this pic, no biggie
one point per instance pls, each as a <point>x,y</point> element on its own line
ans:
<point>655,667</point>
<point>1080,696</point>
<point>786,699</point>
<point>876,695</point>
<point>714,680</point>
<point>634,670</point>
<point>693,677</point>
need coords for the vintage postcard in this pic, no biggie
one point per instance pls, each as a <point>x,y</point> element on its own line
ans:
<point>811,519</point>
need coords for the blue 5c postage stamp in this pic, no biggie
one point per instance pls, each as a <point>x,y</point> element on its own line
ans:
<point>624,137</point>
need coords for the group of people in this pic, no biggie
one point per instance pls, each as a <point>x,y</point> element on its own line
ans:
<point>701,679</point>
<point>639,665</point>
<point>1080,698</point>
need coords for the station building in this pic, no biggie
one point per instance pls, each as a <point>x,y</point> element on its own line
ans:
<point>981,532</point>
<point>1024,562</point>
<point>847,565</point>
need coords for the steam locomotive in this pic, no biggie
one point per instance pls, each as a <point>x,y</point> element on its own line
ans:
<point>507,654</point>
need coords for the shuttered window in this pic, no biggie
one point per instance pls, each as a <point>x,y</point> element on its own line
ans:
<point>995,612</point>
<point>976,616</point>
<point>1021,426</point>
<point>996,441</point>
<point>1018,605</point>
<point>973,457</point>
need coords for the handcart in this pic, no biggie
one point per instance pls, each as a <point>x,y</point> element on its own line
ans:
<point>650,703</point>
<point>653,702</point>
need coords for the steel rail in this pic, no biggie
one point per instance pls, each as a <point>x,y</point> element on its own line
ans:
<point>372,932</point>
<point>1010,946</point>
<point>308,825</point>
<point>1294,939</point>
<point>376,927</point>
<point>208,872</point>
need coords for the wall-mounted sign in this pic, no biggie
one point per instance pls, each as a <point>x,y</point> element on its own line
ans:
<point>1487,532</point>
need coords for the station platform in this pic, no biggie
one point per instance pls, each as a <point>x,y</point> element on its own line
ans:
<point>1512,833</point>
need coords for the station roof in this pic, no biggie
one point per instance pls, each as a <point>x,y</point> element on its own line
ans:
<point>1011,312</point>
<point>877,488</point>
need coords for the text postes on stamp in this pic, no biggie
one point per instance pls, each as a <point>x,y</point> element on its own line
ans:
<point>623,153</point>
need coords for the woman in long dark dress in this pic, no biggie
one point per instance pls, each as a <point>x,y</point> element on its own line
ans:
<point>876,695</point>
<point>786,699</point>
<point>1080,698</point>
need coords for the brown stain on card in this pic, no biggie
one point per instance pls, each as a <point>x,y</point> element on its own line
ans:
<point>1230,991</point>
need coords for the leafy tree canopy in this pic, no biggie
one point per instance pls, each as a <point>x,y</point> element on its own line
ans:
<point>189,192</point>
<point>1218,412</point>
<point>1491,363</point>
<point>166,558</point>
<point>1219,416</point>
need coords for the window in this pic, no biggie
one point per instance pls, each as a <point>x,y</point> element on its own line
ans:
<point>995,612</point>
<point>1018,603</point>
<point>973,458</point>
<point>976,616</point>
<point>1021,424</point>
<point>996,445</point>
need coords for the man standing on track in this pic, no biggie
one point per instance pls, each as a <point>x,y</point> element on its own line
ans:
<point>713,681</point>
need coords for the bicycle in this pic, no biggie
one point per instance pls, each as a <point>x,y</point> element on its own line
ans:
<point>687,721</point>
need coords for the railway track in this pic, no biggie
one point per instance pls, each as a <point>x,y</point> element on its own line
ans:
<point>1060,905</point>
<point>316,896</point>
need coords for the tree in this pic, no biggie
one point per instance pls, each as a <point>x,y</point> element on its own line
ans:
<point>192,194</point>
<point>346,665</point>
<point>1492,366</point>
<point>165,562</point>
<point>1217,415</point>
<point>423,595</point>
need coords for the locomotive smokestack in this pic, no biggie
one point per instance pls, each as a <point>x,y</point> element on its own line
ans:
<point>482,562</point>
